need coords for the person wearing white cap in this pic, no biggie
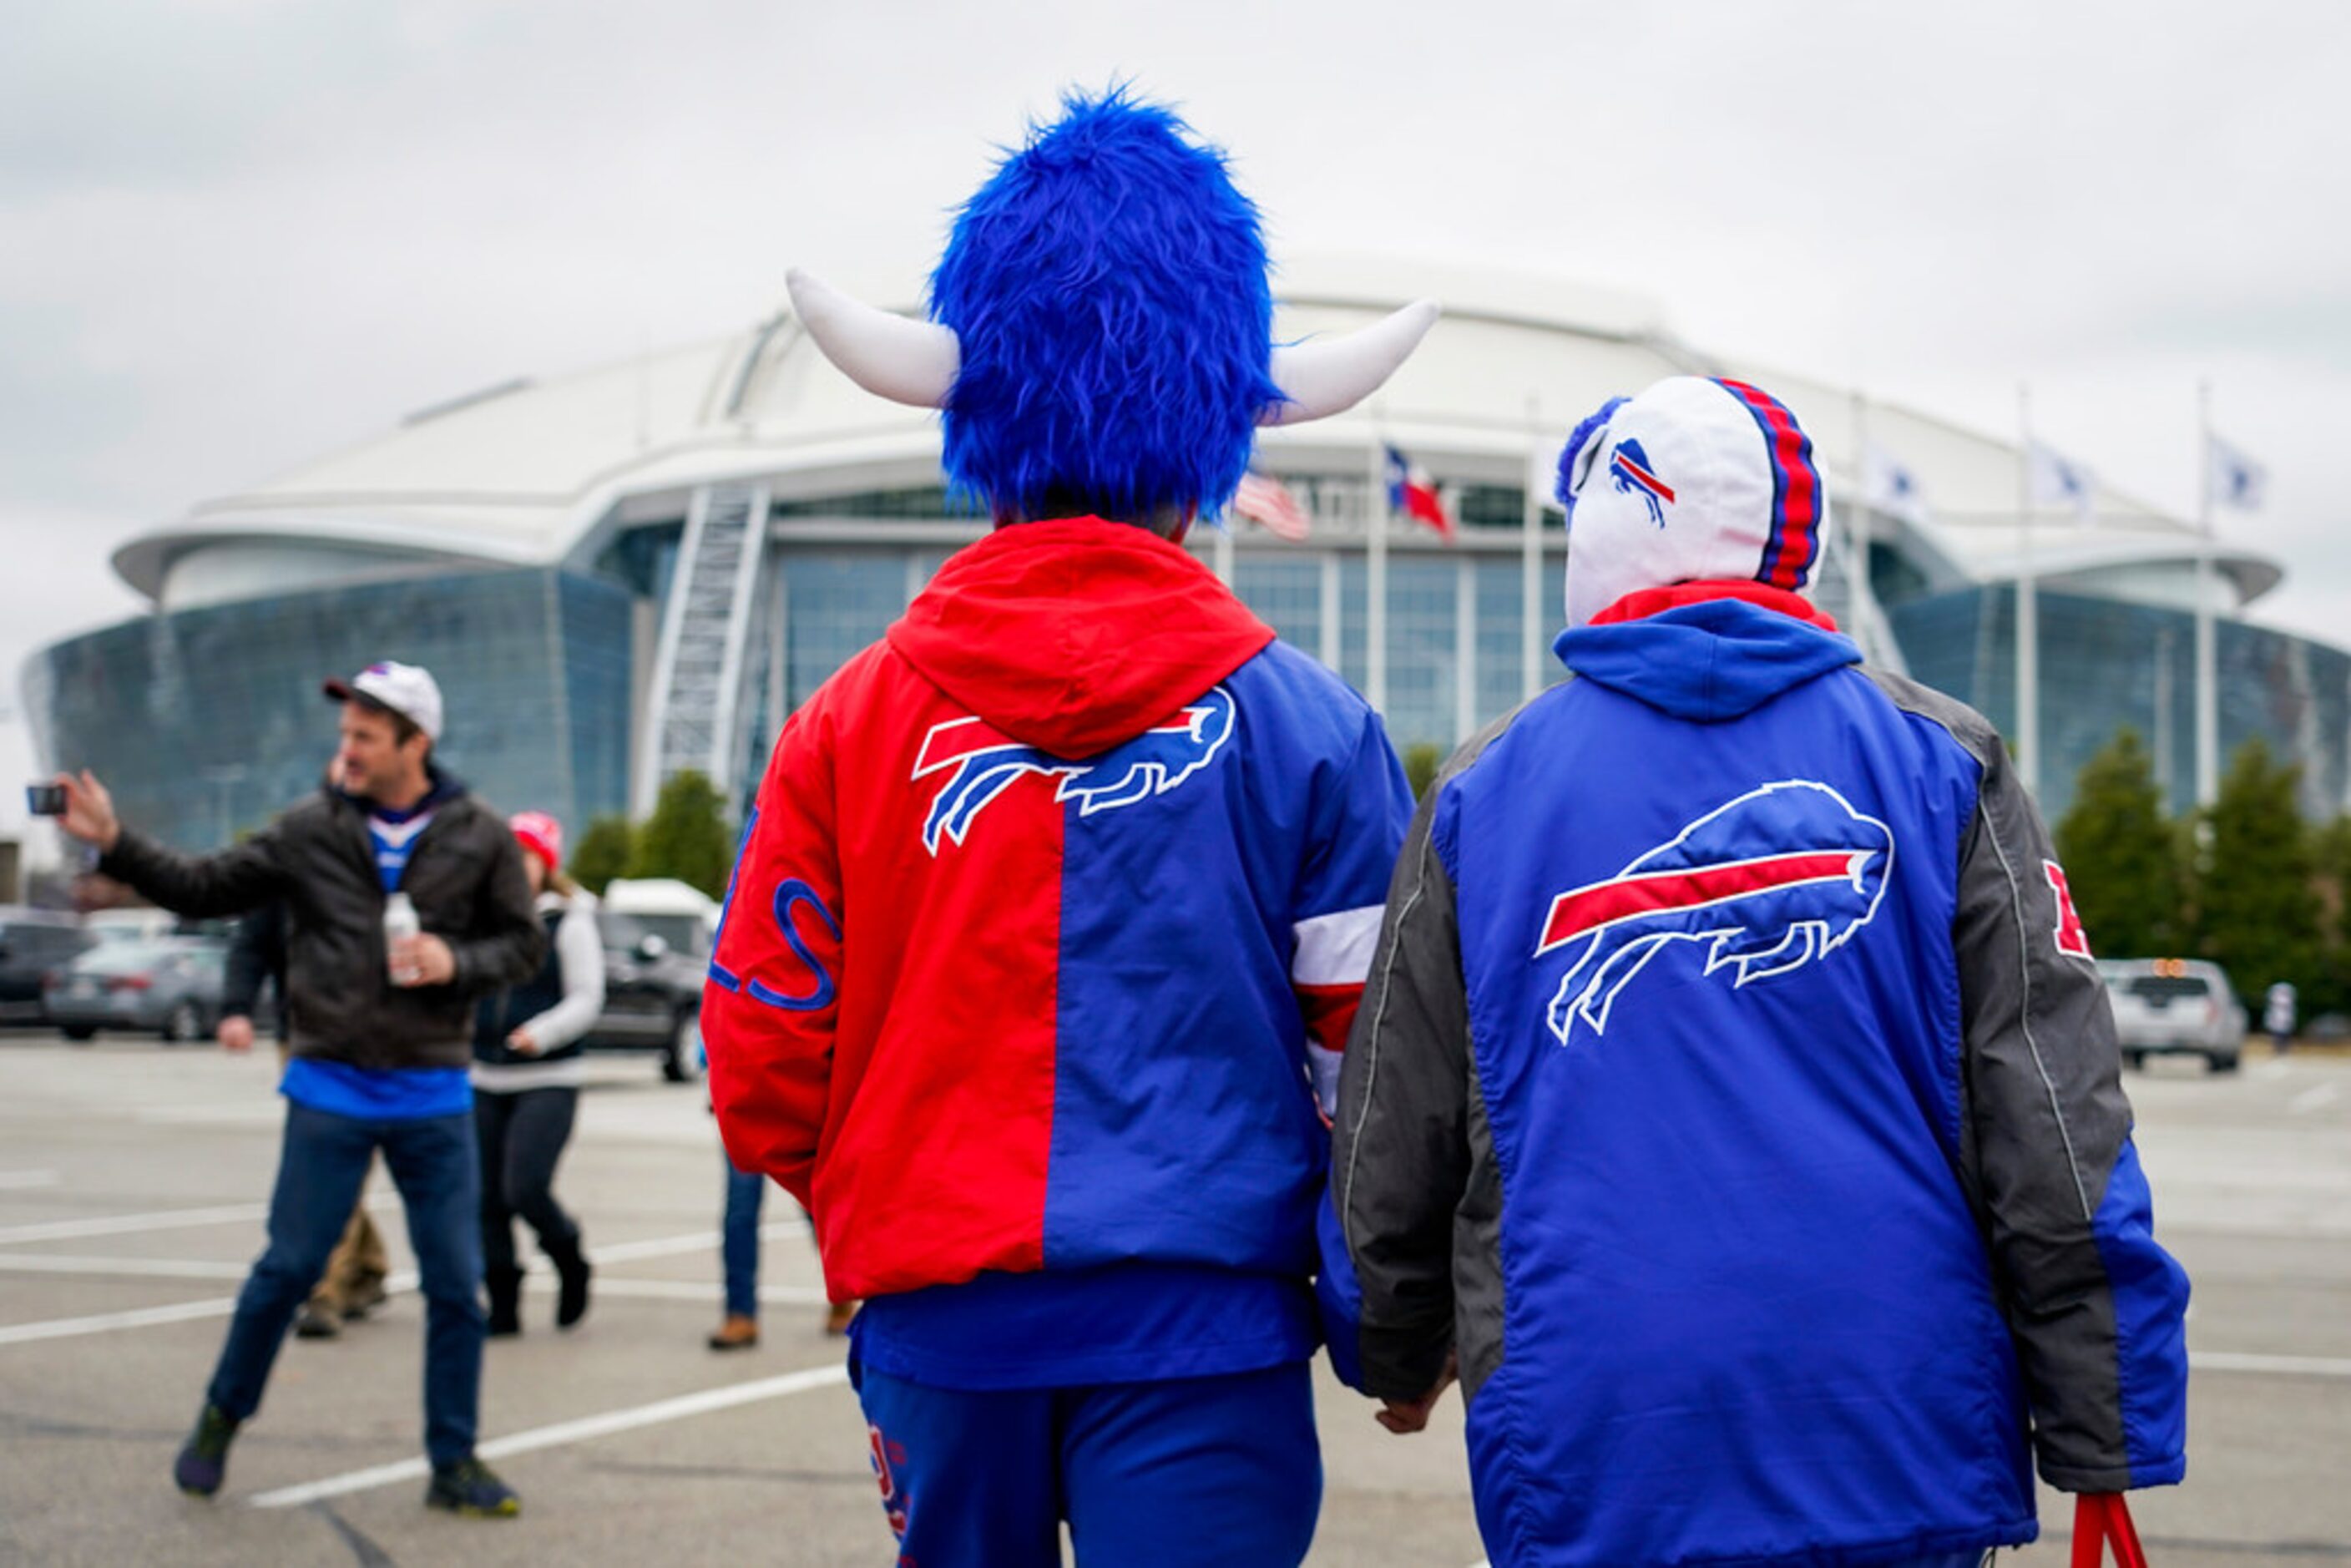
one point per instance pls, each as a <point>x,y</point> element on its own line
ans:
<point>1735,1106</point>
<point>405,900</point>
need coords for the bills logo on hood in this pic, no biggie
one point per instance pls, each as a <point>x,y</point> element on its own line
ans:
<point>1768,882</point>
<point>1628,465</point>
<point>986,763</point>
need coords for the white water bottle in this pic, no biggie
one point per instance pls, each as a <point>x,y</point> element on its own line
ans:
<point>400,923</point>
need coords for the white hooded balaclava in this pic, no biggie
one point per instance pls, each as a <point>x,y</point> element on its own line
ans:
<point>1694,480</point>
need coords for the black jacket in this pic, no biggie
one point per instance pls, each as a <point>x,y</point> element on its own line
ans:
<point>464,876</point>
<point>256,953</point>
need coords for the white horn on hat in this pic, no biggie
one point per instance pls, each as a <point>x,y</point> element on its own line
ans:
<point>1317,380</point>
<point>889,355</point>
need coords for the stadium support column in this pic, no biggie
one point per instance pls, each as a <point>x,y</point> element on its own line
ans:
<point>2028,609</point>
<point>1375,570</point>
<point>1531,615</point>
<point>2208,699</point>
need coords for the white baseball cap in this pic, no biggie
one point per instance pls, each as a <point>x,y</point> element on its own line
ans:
<point>1694,480</point>
<point>408,690</point>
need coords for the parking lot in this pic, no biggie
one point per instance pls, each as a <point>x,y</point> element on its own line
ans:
<point>132,1177</point>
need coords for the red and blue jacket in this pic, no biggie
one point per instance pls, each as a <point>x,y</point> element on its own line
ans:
<point>1049,921</point>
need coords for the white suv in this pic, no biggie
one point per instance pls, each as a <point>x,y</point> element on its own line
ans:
<point>2181,1005</point>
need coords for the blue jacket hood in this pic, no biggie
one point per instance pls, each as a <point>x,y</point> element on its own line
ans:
<point>1707,662</point>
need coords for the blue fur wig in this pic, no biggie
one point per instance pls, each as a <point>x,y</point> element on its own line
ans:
<point>1108,286</point>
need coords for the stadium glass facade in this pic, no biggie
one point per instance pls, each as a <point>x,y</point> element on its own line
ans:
<point>2108,665</point>
<point>205,722</point>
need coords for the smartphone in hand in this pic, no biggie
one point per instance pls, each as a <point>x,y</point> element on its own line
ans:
<point>45,800</point>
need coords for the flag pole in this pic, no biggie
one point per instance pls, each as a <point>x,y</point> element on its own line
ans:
<point>1530,616</point>
<point>2208,704</point>
<point>2028,609</point>
<point>1858,586</point>
<point>1376,572</point>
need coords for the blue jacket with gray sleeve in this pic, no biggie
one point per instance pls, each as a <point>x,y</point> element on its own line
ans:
<point>1735,1094</point>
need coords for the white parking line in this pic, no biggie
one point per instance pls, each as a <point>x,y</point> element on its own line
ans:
<point>2279,1365</point>
<point>121,1267</point>
<point>2310,1100</point>
<point>24,1181</point>
<point>564,1432</point>
<point>145,1317</point>
<point>128,1223</point>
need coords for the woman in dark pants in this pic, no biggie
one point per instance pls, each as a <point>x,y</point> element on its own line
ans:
<point>526,1074</point>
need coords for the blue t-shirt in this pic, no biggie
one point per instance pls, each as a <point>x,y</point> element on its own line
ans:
<point>382,1094</point>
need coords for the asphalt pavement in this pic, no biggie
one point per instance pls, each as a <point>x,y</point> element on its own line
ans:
<point>132,1183</point>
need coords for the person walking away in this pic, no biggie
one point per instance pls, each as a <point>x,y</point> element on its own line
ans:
<point>2278,1015</point>
<point>1735,1101</point>
<point>527,1075</point>
<point>1055,901</point>
<point>353,1282</point>
<point>739,1258</point>
<point>382,1031</point>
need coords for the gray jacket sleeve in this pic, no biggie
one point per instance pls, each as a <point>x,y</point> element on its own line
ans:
<point>1401,1151</point>
<point>2095,1306</point>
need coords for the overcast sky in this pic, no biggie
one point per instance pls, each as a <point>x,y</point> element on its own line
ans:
<point>237,233</point>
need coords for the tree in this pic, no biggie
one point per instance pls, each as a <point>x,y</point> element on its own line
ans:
<point>2121,862</point>
<point>603,852</point>
<point>2257,913</point>
<point>1421,760</point>
<point>687,836</point>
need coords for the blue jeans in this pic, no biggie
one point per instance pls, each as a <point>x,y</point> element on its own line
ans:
<point>1184,1474</point>
<point>738,1242</point>
<point>434,1164</point>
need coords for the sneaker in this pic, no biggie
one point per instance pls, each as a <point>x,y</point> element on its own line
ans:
<point>317,1322</point>
<point>737,1332</point>
<point>203,1459</point>
<point>471,1489</point>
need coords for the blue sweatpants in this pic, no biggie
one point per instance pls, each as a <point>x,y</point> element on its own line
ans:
<point>1189,1473</point>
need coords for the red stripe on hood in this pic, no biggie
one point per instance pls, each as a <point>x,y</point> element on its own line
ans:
<point>1643,602</point>
<point>1075,635</point>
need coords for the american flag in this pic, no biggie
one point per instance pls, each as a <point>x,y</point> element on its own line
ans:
<point>1268,502</point>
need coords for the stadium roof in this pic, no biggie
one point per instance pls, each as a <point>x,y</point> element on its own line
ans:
<point>524,472</point>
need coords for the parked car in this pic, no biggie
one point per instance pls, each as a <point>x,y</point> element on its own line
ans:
<point>678,912</point>
<point>32,943</point>
<point>653,994</point>
<point>171,984</point>
<point>2176,1007</point>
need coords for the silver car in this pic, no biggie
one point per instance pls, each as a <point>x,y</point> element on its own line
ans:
<point>2181,1007</point>
<point>170,986</point>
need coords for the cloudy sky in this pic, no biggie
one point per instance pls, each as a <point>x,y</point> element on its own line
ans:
<point>236,234</point>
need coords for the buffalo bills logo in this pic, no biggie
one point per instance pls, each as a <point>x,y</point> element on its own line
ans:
<point>985,764</point>
<point>1629,467</point>
<point>1769,883</point>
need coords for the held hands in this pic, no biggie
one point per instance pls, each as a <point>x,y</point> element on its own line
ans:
<point>1404,1416</point>
<point>234,1033</point>
<point>423,961</point>
<point>89,811</point>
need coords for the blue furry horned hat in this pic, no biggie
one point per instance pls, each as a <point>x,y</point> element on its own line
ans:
<point>1101,331</point>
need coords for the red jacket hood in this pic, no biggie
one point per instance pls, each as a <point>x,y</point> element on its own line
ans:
<point>1076,634</point>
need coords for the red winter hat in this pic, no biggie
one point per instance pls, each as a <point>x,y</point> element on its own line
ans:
<point>539,833</point>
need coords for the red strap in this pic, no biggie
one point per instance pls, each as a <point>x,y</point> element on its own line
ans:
<point>2101,1518</point>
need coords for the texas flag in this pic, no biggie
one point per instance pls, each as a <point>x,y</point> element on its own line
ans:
<point>1413,493</point>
